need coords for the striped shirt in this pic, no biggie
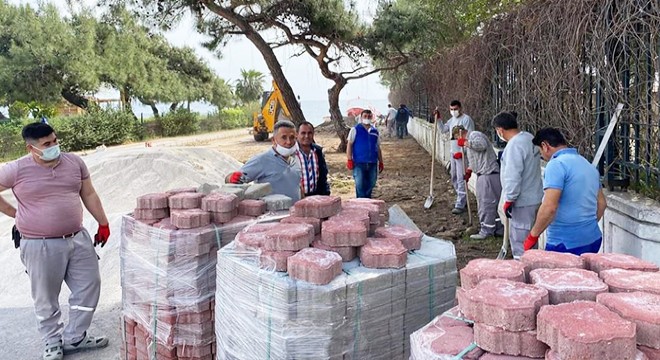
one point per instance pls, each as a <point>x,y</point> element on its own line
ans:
<point>310,170</point>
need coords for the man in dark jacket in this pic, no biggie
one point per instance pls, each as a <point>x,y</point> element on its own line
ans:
<point>314,180</point>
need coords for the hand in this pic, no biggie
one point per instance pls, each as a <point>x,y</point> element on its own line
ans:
<point>468,174</point>
<point>508,206</point>
<point>462,142</point>
<point>530,241</point>
<point>349,164</point>
<point>381,167</point>
<point>102,235</point>
<point>458,155</point>
<point>236,178</point>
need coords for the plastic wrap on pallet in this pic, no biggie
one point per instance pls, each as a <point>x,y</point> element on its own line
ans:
<point>168,287</point>
<point>362,314</point>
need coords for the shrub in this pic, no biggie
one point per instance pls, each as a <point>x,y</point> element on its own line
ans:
<point>96,127</point>
<point>179,122</point>
<point>18,110</point>
<point>11,141</point>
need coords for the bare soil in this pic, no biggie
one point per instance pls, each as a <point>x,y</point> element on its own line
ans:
<point>405,182</point>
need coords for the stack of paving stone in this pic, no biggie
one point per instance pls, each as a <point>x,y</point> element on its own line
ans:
<point>324,308</point>
<point>597,306</point>
<point>168,260</point>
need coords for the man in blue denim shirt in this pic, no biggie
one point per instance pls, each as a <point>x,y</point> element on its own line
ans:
<point>573,200</point>
<point>364,155</point>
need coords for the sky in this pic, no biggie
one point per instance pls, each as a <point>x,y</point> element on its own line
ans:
<point>302,72</point>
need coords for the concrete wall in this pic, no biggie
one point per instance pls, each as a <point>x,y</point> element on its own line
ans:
<point>631,224</point>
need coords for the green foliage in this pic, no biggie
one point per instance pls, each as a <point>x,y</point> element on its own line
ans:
<point>250,86</point>
<point>96,127</point>
<point>11,141</point>
<point>228,118</point>
<point>18,110</point>
<point>38,110</point>
<point>179,122</point>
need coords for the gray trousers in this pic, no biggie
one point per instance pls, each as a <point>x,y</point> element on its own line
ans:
<point>48,263</point>
<point>489,189</point>
<point>457,180</point>
<point>521,222</point>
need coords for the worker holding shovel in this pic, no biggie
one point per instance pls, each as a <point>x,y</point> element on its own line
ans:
<point>483,162</point>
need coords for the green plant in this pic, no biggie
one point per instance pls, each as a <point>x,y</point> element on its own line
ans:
<point>11,141</point>
<point>18,110</point>
<point>179,122</point>
<point>96,127</point>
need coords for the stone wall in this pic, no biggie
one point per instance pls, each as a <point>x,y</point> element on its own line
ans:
<point>631,224</point>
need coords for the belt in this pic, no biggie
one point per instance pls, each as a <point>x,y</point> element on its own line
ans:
<point>493,173</point>
<point>66,236</point>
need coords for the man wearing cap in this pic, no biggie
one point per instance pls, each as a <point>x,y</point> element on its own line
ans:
<point>55,247</point>
<point>277,166</point>
<point>364,155</point>
<point>456,159</point>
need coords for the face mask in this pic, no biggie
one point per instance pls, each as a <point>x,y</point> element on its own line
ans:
<point>286,152</point>
<point>50,153</point>
<point>499,135</point>
<point>366,121</point>
<point>454,113</point>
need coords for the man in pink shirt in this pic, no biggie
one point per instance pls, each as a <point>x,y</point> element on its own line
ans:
<point>49,187</point>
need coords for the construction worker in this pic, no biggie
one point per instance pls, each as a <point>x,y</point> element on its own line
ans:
<point>520,174</point>
<point>364,155</point>
<point>49,186</point>
<point>403,114</point>
<point>314,170</point>
<point>390,120</point>
<point>483,162</point>
<point>456,160</point>
<point>573,201</point>
<point>277,166</point>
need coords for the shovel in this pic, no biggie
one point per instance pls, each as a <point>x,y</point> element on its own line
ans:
<point>429,200</point>
<point>467,191</point>
<point>505,239</point>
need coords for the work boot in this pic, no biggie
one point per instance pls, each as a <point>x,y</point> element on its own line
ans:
<point>87,343</point>
<point>457,211</point>
<point>478,236</point>
<point>54,351</point>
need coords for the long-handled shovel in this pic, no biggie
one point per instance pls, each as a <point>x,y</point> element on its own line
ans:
<point>429,200</point>
<point>467,191</point>
<point>505,239</point>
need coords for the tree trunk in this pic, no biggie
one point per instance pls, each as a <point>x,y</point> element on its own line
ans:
<point>336,116</point>
<point>125,99</point>
<point>2,116</point>
<point>152,105</point>
<point>71,95</point>
<point>174,106</point>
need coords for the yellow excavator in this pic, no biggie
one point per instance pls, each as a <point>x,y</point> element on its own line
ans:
<point>272,109</point>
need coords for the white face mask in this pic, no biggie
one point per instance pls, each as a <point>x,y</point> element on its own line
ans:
<point>286,152</point>
<point>366,121</point>
<point>50,153</point>
<point>454,113</point>
<point>499,135</point>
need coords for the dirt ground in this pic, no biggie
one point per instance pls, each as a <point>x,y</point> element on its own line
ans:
<point>405,182</point>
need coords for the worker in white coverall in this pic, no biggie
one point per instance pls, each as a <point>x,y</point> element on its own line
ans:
<point>49,187</point>
<point>456,161</point>
<point>520,174</point>
<point>483,162</point>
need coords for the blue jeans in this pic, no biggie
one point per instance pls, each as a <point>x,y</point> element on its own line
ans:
<point>591,248</point>
<point>365,175</point>
<point>401,129</point>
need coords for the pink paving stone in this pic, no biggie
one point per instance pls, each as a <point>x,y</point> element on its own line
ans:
<point>347,253</point>
<point>489,356</point>
<point>186,200</point>
<point>453,317</point>
<point>541,259</point>
<point>153,201</point>
<point>191,218</point>
<point>223,217</point>
<point>372,210</point>
<point>509,305</point>
<point>382,206</point>
<point>620,280</point>
<point>181,190</point>
<point>352,215</point>
<point>411,239</point>
<point>290,237</point>
<point>567,285</point>
<point>315,266</point>
<point>641,308</point>
<point>500,341</point>
<point>600,262</point>
<point>338,233</point>
<point>274,260</point>
<point>219,203</point>
<point>165,224</point>
<point>586,330</point>
<point>304,220</point>
<point>318,206</point>
<point>383,254</point>
<point>437,341</point>
<point>651,354</point>
<point>251,207</point>
<point>479,269</point>
<point>150,214</point>
<point>552,355</point>
<point>252,237</point>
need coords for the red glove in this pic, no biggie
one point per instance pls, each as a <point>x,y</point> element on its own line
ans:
<point>236,177</point>
<point>508,206</point>
<point>462,142</point>
<point>381,166</point>
<point>458,155</point>
<point>530,241</point>
<point>102,235</point>
<point>349,164</point>
<point>467,175</point>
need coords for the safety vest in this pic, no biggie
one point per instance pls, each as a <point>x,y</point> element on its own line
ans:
<point>365,146</point>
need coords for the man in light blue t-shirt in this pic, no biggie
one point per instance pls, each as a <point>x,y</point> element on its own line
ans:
<point>573,200</point>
